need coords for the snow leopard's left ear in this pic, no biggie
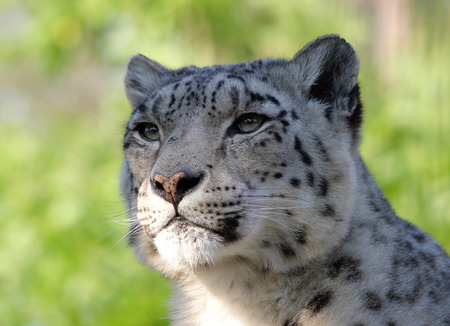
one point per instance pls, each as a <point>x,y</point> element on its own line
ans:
<point>142,78</point>
<point>328,71</point>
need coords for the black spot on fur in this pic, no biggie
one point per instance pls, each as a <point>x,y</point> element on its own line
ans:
<point>346,267</point>
<point>372,301</point>
<point>327,210</point>
<point>294,115</point>
<point>181,101</point>
<point>219,85</point>
<point>310,177</point>
<point>278,175</point>
<point>282,113</point>
<point>300,236</point>
<point>287,250</point>
<point>228,228</point>
<point>419,237</point>
<point>321,148</point>
<point>172,100</point>
<point>278,138</point>
<point>322,187</point>
<point>320,301</point>
<point>256,97</point>
<point>285,123</point>
<point>304,155</point>
<point>390,323</point>
<point>295,182</point>
<point>273,100</point>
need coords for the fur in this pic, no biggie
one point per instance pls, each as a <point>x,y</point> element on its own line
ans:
<point>279,225</point>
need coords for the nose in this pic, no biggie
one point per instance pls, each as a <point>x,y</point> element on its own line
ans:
<point>173,189</point>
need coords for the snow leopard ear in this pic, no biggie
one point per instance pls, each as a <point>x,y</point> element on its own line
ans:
<point>142,78</point>
<point>328,73</point>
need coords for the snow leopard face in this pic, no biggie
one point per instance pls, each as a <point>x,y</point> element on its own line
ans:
<point>251,161</point>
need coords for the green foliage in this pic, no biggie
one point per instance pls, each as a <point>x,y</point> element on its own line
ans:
<point>63,257</point>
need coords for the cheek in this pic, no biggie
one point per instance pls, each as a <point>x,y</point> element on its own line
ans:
<point>264,161</point>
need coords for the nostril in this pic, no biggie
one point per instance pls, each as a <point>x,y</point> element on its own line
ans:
<point>159,186</point>
<point>186,184</point>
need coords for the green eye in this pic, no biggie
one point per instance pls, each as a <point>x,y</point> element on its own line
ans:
<point>250,122</point>
<point>148,131</point>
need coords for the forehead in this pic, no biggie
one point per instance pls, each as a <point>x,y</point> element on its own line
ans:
<point>215,92</point>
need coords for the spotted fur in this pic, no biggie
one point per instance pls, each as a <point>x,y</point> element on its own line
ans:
<point>278,225</point>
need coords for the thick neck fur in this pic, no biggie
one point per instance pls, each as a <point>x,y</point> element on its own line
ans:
<point>237,292</point>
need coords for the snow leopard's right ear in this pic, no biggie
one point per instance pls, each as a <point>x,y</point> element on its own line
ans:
<point>142,78</point>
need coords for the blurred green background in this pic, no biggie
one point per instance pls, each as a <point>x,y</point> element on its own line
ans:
<point>63,257</point>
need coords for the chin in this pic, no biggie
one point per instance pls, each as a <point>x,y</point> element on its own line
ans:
<point>183,245</point>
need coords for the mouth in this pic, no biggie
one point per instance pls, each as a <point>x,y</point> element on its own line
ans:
<point>181,220</point>
<point>177,218</point>
<point>181,224</point>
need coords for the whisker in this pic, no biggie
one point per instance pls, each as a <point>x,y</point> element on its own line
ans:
<point>264,205</point>
<point>130,216</point>
<point>125,212</point>
<point>131,232</point>
<point>277,198</point>
<point>285,226</point>
<point>108,234</point>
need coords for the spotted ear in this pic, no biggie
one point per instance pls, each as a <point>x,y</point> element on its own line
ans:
<point>142,78</point>
<point>328,69</point>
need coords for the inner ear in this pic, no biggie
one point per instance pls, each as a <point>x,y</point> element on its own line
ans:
<point>323,87</point>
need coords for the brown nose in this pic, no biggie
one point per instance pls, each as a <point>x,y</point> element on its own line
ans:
<point>175,187</point>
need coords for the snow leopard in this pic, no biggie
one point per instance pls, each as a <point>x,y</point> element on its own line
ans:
<point>246,189</point>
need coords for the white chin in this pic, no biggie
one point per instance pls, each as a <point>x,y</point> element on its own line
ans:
<point>185,245</point>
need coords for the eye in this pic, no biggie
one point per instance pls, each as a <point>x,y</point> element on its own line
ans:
<point>250,122</point>
<point>148,131</point>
